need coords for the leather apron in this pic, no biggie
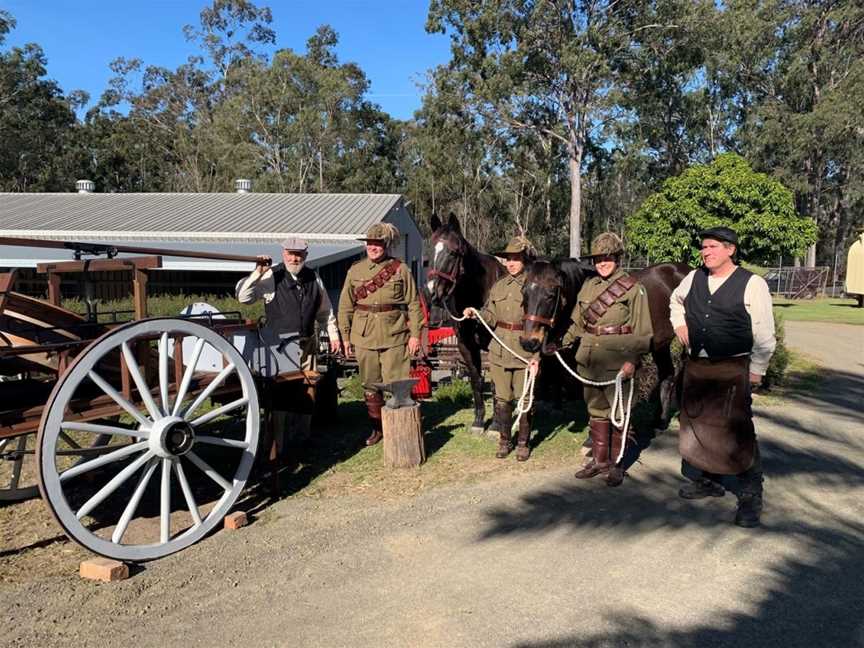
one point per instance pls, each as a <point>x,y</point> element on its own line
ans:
<point>717,433</point>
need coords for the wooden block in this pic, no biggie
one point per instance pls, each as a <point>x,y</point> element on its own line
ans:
<point>403,437</point>
<point>104,569</point>
<point>236,520</point>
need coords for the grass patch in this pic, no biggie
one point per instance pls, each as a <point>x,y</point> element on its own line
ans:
<point>823,309</point>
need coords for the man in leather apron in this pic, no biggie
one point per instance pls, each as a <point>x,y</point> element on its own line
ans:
<point>722,315</point>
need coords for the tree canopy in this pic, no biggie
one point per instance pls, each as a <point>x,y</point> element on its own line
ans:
<point>558,119</point>
<point>726,192</point>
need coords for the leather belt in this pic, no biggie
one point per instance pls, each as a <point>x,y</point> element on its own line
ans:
<point>380,308</point>
<point>609,330</point>
<point>509,326</point>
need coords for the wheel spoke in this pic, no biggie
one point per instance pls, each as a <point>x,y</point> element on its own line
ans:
<point>140,383</point>
<point>204,395</point>
<point>219,411</point>
<point>111,457</point>
<point>80,426</point>
<point>112,485</point>
<point>219,441</point>
<point>163,372</point>
<point>69,440</point>
<point>191,504</point>
<point>165,502</point>
<point>187,375</point>
<point>208,470</point>
<point>119,399</point>
<point>18,464</point>
<point>132,506</point>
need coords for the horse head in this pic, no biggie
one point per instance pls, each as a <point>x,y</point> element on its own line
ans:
<point>542,302</point>
<point>448,261</point>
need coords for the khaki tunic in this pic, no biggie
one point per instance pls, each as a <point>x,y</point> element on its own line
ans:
<point>505,305</point>
<point>380,339</point>
<point>600,357</point>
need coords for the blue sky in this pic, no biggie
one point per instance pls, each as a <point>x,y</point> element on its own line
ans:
<point>80,38</point>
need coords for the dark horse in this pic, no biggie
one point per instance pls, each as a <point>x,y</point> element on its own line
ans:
<point>461,276</point>
<point>550,293</point>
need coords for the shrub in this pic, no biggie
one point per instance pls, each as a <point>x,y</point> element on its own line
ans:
<point>456,393</point>
<point>776,373</point>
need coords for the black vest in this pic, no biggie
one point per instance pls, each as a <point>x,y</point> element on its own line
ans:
<point>293,308</point>
<point>719,323</point>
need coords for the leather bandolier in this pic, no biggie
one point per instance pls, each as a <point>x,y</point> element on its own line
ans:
<point>604,300</point>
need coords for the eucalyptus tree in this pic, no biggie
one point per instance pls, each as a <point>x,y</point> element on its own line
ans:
<point>546,67</point>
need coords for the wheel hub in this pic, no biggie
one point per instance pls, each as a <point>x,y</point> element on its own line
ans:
<point>172,436</point>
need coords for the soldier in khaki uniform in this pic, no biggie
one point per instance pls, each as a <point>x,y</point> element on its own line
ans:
<point>613,332</point>
<point>503,312</point>
<point>380,318</point>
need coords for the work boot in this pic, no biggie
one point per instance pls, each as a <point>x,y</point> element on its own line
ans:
<point>616,473</point>
<point>749,510</point>
<point>701,488</point>
<point>523,448</point>
<point>503,416</point>
<point>374,403</point>
<point>599,431</point>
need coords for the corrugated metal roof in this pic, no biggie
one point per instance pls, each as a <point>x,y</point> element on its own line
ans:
<point>192,216</point>
<point>320,254</point>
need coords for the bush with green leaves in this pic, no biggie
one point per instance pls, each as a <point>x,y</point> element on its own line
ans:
<point>455,392</point>
<point>726,192</point>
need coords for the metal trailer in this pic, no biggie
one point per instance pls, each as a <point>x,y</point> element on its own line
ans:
<point>140,435</point>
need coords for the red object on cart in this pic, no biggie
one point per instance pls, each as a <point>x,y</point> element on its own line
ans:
<point>423,373</point>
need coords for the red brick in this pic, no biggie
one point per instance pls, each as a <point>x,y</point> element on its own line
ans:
<point>104,569</point>
<point>235,520</point>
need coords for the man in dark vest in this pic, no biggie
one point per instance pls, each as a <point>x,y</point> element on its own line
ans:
<point>294,299</point>
<point>722,314</point>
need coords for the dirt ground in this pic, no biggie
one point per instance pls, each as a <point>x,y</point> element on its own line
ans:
<point>519,556</point>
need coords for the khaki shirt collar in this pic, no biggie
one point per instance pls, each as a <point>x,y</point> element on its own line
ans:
<point>518,279</point>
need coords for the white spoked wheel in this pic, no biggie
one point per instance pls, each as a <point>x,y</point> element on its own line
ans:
<point>189,441</point>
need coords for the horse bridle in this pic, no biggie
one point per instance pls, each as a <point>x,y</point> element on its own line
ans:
<point>548,321</point>
<point>452,277</point>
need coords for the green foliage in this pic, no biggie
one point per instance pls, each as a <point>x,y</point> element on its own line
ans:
<point>351,389</point>
<point>167,305</point>
<point>726,192</point>
<point>776,372</point>
<point>456,393</point>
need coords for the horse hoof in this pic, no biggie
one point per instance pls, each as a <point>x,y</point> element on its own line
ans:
<point>477,429</point>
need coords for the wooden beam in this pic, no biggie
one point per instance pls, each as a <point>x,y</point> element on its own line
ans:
<point>102,265</point>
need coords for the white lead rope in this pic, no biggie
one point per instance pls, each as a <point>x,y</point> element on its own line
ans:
<point>620,415</point>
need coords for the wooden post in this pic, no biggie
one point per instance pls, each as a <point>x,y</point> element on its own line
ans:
<point>54,288</point>
<point>139,293</point>
<point>403,437</point>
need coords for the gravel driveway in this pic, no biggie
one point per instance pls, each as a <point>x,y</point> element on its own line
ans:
<point>522,560</point>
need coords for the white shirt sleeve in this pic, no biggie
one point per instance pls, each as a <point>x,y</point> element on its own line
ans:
<point>325,316</point>
<point>757,301</point>
<point>255,286</point>
<point>676,301</point>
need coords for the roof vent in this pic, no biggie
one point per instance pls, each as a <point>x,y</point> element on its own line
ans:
<point>243,185</point>
<point>85,186</point>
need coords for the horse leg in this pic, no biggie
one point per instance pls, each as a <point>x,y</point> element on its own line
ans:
<point>665,386</point>
<point>471,357</point>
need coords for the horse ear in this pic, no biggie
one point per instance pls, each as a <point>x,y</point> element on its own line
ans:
<point>435,223</point>
<point>453,222</point>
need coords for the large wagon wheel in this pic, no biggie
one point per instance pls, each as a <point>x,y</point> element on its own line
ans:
<point>171,432</point>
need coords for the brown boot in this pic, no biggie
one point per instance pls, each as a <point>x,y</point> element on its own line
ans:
<point>374,403</point>
<point>599,431</point>
<point>616,473</point>
<point>523,446</point>
<point>503,420</point>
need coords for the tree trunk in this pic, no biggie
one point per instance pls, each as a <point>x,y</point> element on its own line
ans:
<point>403,437</point>
<point>575,162</point>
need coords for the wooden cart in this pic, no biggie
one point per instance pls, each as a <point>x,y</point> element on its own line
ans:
<point>140,435</point>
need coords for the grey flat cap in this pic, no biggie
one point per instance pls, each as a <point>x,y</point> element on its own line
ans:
<point>295,244</point>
